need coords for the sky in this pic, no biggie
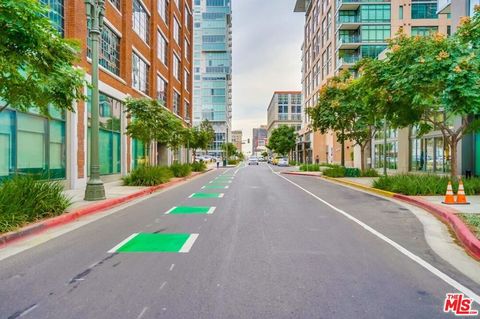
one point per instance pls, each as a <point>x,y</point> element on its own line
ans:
<point>267,40</point>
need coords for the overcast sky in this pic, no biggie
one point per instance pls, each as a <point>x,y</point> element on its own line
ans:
<point>267,39</point>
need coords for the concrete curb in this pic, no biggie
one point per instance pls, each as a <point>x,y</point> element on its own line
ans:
<point>361,186</point>
<point>95,208</point>
<point>300,174</point>
<point>464,235</point>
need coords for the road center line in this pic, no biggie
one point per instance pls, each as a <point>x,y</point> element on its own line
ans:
<point>452,282</point>
<point>142,313</point>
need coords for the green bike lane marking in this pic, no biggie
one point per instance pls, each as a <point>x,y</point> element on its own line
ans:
<point>206,195</point>
<point>215,186</point>
<point>220,182</point>
<point>193,210</point>
<point>156,243</point>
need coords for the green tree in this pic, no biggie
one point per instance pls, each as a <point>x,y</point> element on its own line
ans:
<point>230,150</point>
<point>151,121</point>
<point>282,140</point>
<point>264,154</point>
<point>432,80</point>
<point>333,111</point>
<point>200,137</point>
<point>36,63</point>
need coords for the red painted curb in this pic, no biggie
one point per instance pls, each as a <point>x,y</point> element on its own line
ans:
<point>66,218</point>
<point>299,174</point>
<point>469,241</point>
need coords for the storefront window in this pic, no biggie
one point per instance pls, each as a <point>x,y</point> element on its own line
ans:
<point>32,144</point>
<point>110,111</point>
<point>138,153</point>
<point>429,154</point>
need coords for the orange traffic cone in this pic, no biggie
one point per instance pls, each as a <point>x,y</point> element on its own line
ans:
<point>449,198</point>
<point>461,198</point>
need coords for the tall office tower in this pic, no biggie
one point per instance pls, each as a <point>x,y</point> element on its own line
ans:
<point>212,93</point>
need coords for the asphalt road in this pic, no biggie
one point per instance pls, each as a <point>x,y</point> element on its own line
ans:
<point>269,250</point>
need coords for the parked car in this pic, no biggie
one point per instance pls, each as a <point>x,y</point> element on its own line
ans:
<point>252,160</point>
<point>283,161</point>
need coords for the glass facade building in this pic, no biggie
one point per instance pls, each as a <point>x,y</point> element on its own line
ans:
<point>212,56</point>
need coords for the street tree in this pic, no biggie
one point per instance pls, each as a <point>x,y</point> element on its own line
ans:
<point>333,111</point>
<point>229,149</point>
<point>150,121</point>
<point>200,137</point>
<point>264,154</point>
<point>282,140</point>
<point>36,63</point>
<point>433,79</point>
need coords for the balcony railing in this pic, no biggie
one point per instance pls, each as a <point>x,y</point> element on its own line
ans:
<point>349,19</point>
<point>348,60</point>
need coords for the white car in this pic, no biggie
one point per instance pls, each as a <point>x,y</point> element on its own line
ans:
<point>283,161</point>
<point>252,160</point>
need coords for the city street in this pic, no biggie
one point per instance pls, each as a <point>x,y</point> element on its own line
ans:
<point>260,245</point>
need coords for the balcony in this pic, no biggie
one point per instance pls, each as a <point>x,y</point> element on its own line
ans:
<point>347,61</point>
<point>348,22</point>
<point>349,42</point>
<point>355,4</point>
<point>444,6</point>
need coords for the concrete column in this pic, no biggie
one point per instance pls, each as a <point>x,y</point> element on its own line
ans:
<point>403,165</point>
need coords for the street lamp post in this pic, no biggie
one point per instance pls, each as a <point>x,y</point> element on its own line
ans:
<point>95,13</point>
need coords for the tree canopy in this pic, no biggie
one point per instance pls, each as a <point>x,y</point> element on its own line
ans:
<point>36,63</point>
<point>282,140</point>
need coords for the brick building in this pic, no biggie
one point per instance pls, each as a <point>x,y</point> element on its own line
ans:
<point>146,51</point>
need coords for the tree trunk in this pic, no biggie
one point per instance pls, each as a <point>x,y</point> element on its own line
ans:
<point>453,141</point>
<point>3,107</point>
<point>194,153</point>
<point>362,156</point>
<point>343,152</point>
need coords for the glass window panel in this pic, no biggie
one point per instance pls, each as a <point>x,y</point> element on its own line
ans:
<point>30,142</point>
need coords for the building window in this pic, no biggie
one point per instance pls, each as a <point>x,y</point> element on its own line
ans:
<point>424,10</point>
<point>176,67</point>
<point>109,50</point>
<point>186,49</point>
<point>375,33</point>
<point>140,20</point>
<point>162,48</point>
<point>56,14</point>
<point>176,103</point>
<point>163,10</point>
<point>400,12</point>
<point>375,13</point>
<point>176,31</point>
<point>116,3</point>
<point>186,108</point>
<point>430,154</point>
<point>32,144</point>
<point>423,31</point>
<point>186,79</point>
<point>138,152</point>
<point>140,71</point>
<point>110,110</point>
<point>162,87</point>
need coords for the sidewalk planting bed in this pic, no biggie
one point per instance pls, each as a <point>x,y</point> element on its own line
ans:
<point>424,185</point>
<point>473,221</point>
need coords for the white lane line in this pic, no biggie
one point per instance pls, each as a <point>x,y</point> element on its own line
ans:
<point>452,282</point>
<point>191,195</point>
<point>221,195</point>
<point>27,311</point>
<point>171,210</point>
<point>142,313</point>
<point>114,249</point>
<point>220,182</point>
<point>203,187</point>
<point>162,286</point>
<point>171,267</point>
<point>189,243</point>
<point>211,210</point>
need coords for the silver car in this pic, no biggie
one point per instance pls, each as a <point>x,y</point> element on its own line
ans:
<point>252,160</point>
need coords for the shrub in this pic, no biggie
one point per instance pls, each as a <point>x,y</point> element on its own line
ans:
<point>427,184</point>
<point>148,176</point>
<point>181,170</point>
<point>24,199</point>
<point>337,171</point>
<point>198,166</point>
<point>370,173</point>
<point>473,220</point>
<point>232,162</point>
<point>310,167</point>
<point>352,172</point>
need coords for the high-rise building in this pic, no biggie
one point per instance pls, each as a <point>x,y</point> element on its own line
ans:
<point>285,108</point>
<point>338,33</point>
<point>457,9</point>
<point>212,95</point>
<point>259,139</point>
<point>237,138</point>
<point>145,51</point>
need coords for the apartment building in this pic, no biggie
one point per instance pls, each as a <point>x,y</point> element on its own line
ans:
<point>237,138</point>
<point>259,139</point>
<point>338,33</point>
<point>212,95</point>
<point>146,51</point>
<point>285,108</point>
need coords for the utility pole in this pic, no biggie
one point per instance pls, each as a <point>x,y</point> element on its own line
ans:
<point>385,147</point>
<point>95,14</point>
